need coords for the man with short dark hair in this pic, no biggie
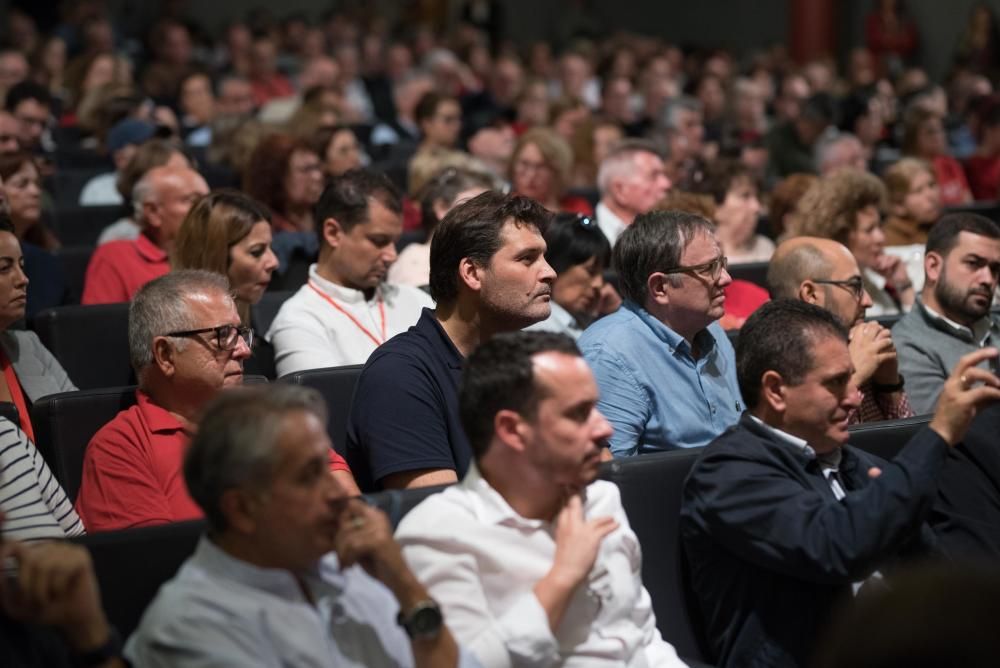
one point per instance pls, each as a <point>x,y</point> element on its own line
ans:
<point>31,104</point>
<point>664,365</point>
<point>507,551</point>
<point>346,309</point>
<point>488,275</point>
<point>791,144</point>
<point>780,516</point>
<point>952,314</point>
<point>292,572</point>
<point>824,272</point>
<point>632,180</point>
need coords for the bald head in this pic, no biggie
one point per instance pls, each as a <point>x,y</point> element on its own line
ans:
<point>818,271</point>
<point>164,196</point>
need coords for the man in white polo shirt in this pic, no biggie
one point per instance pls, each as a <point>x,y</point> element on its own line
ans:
<point>346,310</point>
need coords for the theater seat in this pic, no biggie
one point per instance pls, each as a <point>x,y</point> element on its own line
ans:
<point>397,502</point>
<point>132,564</point>
<point>91,343</point>
<point>74,260</point>
<point>755,272</point>
<point>336,384</point>
<point>263,312</point>
<point>82,225</point>
<point>887,437</point>
<point>651,488</point>
<point>64,423</point>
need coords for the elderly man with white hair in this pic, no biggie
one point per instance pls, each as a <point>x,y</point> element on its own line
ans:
<point>838,151</point>
<point>631,179</point>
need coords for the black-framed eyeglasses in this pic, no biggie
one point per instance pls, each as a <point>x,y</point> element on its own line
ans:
<point>713,268</point>
<point>226,336</point>
<point>855,285</point>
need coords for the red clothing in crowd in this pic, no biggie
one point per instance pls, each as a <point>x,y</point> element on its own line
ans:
<point>984,176</point>
<point>275,86</point>
<point>951,180</point>
<point>742,299</point>
<point>118,269</point>
<point>574,204</point>
<point>133,471</point>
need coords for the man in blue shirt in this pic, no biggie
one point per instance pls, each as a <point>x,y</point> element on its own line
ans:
<point>665,368</point>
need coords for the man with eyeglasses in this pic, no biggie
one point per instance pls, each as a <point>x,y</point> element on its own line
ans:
<point>951,316</point>
<point>665,368</point>
<point>186,343</point>
<point>824,272</point>
<point>31,104</point>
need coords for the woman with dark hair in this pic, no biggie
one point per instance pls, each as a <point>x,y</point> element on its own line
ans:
<point>439,118</point>
<point>578,252</point>
<point>924,137</point>
<point>286,175</point>
<point>22,192</point>
<point>338,149</point>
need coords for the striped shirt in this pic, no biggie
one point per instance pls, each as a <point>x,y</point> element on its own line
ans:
<point>33,503</point>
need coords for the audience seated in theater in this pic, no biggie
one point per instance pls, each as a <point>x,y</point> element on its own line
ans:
<point>578,252</point>
<point>29,371</point>
<point>31,104</point>
<point>785,196</point>
<point>665,367</point>
<point>153,153</point>
<point>230,234</point>
<point>838,151</point>
<point>790,144</point>
<point>286,547</point>
<point>122,143</point>
<point>823,272</point>
<point>732,187</point>
<point>631,180</point>
<point>914,202</point>
<point>50,608</point>
<point>439,118</point>
<point>22,194</point>
<point>846,207</point>
<point>338,149</point>
<point>541,168</point>
<point>952,316</point>
<point>346,309</point>
<point>186,344</point>
<point>286,175</point>
<point>513,551</point>
<point>162,199</point>
<point>447,189</point>
<point>488,275</point>
<point>924,138</point>
<point>781,518</point>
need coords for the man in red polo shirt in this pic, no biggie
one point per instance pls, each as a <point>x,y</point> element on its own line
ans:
<point>119,268</point>
<point>186,343</point>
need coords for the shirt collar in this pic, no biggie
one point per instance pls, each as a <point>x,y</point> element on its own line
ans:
<point>339,292</point>
<point>563,318</point>
<point>876,279</point>
<point>148,250</point>
<point>429,326</point>
<point>609,223</point>
<point>977,334</point>
<point>798,444</point>
<point>159,419</point>
<point>676,342</point>
<point>491,507</point>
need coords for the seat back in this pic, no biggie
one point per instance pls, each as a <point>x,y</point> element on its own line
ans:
<point>91,343</point>
<point>755,272</point>
<point>397,502</point>
<point>131,566</point>
<point>64,424</point>
<point>336,384</point>
<point>651,489</point>
<point>887,437</point>
<point>74,261</point>
<point>264,311</point>
<point>82,225</point>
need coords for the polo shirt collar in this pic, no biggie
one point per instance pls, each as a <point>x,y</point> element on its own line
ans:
<point>676,342</point>
<point>160,420</point>
<point>429,327</point>
<point>339,292</point>
<point>149,251</point>
<point>978,334</point>
<point>490,507</point>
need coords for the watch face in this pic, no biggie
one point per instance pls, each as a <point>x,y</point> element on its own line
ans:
<point>426,621</point>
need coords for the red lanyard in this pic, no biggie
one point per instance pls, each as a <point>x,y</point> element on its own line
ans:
<point>381,312</point>
<point>17,396</point>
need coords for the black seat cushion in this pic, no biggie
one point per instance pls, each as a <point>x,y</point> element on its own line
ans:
<point>91,343</point>
<point>336,384</point>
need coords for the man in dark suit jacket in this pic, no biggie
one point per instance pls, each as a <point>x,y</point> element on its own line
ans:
<point>781,518</point>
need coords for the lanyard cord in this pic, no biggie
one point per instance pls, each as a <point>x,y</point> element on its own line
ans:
<point>367,332</point>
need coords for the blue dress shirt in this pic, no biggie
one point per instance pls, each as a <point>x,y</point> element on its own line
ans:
<point>653,392</point>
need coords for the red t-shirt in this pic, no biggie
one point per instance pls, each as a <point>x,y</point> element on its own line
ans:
<point>984,176</point>
<point>133,471</point>
<point>742,299</point>
<point>118,269</point>
<point>951,180</point>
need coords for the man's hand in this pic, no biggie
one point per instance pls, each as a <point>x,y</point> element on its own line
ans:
<point>55,586</point>
<point>873,354</point>
<point>577,541</point>
<point>963,395</point>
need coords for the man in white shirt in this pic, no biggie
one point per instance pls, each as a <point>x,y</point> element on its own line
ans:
<point>533,561</point>
<point>632,179</point>
<point>346,310</point>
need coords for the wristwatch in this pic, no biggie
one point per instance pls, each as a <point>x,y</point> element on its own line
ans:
<point>423,621</point>
<point>112,648</point>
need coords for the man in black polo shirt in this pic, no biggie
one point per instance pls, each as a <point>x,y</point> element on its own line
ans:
<point>488,275</point>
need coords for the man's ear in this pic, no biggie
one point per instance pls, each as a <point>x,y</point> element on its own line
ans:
<point>773,391</point>
<point>238,507</point>
<point>164,356</point>
<point>933,263</point>
<point>509,428</point>
<point>656,288</point>
<point>471,273</point>
<point>151,214</point>
<point>333,233</point>
<point>809,293</point>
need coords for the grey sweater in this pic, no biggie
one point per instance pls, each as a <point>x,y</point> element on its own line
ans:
<point>928,349</point>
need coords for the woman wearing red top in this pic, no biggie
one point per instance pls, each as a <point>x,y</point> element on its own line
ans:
<point>540,168</point>
<point>924,138</point>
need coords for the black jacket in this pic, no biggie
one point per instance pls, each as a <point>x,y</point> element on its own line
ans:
<point>770,549</point>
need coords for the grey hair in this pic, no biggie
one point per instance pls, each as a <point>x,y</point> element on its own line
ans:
<point>827,145</point>
<point>237,442</point>
<point>141,193</point>
<point>620,161</point>
<point>675,106</point>
<point>786,272</point>
<point>654,242</point>
<point>160,306</point>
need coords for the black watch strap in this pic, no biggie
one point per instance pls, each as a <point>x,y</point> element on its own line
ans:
<point>112,648</point>
<point>888,389</point>
<point>423,621</point>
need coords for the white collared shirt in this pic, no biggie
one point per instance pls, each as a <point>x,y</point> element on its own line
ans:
<point>559,321</point>
<point>310,333</point>
<point>481,560</point>
<point>609,223</point>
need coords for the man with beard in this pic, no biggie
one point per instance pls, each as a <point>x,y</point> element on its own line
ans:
<point>666,368</point>
<point>346,310</point>
<point>519,551</point>
<point>488,275</point>
<point>824,272</point>
<point>952,315</point>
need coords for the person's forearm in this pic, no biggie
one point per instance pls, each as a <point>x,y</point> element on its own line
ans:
<point>553,593</point>
<point>440,650</point>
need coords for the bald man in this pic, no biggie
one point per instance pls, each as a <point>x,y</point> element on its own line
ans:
<point>825,273</point>
<point>162,199</point>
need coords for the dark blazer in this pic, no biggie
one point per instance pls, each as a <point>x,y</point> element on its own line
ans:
<point>769,548</point>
